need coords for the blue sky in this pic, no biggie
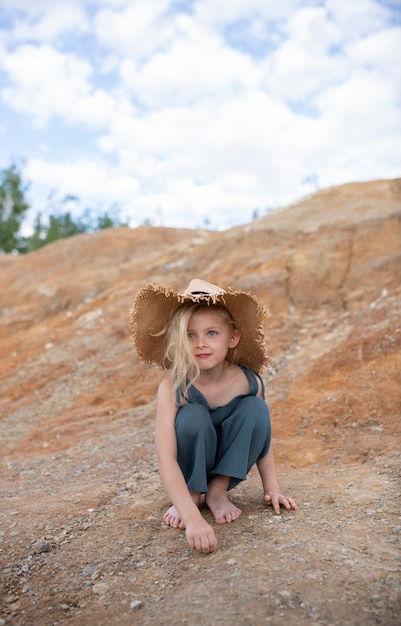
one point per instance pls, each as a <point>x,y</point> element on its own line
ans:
<point>193,113</point>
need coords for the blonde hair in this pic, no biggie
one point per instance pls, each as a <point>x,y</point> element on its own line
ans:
<point>184,367</point>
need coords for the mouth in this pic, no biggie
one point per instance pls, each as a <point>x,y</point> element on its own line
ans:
<point>202,356</point>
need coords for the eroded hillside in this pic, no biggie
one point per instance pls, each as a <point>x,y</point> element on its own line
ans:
<point>82,502</point>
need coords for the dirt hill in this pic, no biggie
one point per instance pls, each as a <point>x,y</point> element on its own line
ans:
<point>81,533</point>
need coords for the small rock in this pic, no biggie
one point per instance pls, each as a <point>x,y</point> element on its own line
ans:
<point>42,546</point>
<point>231,561</point>
<point>135,604</point>
<point>100,588</point>
<point>10,599</point>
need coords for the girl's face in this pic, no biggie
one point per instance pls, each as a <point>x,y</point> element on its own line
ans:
<point>210,337</point>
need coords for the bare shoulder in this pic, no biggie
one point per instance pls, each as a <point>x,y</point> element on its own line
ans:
<point>238,380</point>
<point>166,404</point>
<point>166,386</point>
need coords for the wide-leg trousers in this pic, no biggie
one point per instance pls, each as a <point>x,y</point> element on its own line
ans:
<point>228,440</point>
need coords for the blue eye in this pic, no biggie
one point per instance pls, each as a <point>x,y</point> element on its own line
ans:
<point>212,333</point>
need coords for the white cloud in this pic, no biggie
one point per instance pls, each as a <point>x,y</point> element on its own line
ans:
<point>358,18</point>
<point>139,29</point>
<point>360,111</point>
<point>210,111</point>
<point>311,28</point>
<point>378,52</point>
<point>197,66</point>
<point>45,83</point>
<point>211,139</point>
<point>30,7</point>
<point>184,203</point>
<point>225,11</point>
<point>84,178</point>
<point>48,25</point>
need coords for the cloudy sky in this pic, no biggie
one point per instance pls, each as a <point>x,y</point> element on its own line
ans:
<point>198,112</point>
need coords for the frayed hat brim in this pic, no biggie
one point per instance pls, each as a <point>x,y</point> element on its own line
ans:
<point>154,304</point>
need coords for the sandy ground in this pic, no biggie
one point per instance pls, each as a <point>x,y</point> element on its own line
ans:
<point>83,542</point>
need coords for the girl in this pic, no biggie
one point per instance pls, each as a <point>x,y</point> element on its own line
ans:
<point>212,421</point>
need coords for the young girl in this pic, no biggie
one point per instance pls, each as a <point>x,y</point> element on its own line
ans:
<point>212,421</point>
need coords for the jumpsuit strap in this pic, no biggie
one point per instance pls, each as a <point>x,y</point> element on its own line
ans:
<point>253,377</point>
<point>180,397</point>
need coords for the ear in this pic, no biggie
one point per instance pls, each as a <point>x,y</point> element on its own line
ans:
<point>235,337</point>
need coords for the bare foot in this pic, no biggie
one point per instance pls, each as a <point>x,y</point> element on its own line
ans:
<point>221,507</point>
<point>173,518</point>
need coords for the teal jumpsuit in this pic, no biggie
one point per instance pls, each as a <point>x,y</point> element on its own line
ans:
<point>227,439</point>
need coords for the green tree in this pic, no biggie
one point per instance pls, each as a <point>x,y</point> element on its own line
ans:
<point>91,220</point>
<point>59,222</point>
<point>106,221</point>
<point>58,227</point>
<point>61,225</point>
<point>13,207</point>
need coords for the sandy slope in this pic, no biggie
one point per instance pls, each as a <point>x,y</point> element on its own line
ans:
<point>81,533</point>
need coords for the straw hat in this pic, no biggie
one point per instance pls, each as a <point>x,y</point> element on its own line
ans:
<point>153,306</point>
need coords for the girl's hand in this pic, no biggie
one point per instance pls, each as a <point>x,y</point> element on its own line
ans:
<point>275,498</point>
<point>200,536</point>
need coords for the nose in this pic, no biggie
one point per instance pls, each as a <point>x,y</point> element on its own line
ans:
<point>200,342</point>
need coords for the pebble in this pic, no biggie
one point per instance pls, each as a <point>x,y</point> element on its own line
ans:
<point>135,604</point>
<point>42,546</point>
<point>10,599</point>
<point>100,588</point>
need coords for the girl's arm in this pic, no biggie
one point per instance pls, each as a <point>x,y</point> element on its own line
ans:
<point>268,474</point>
<point>199,533</point>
